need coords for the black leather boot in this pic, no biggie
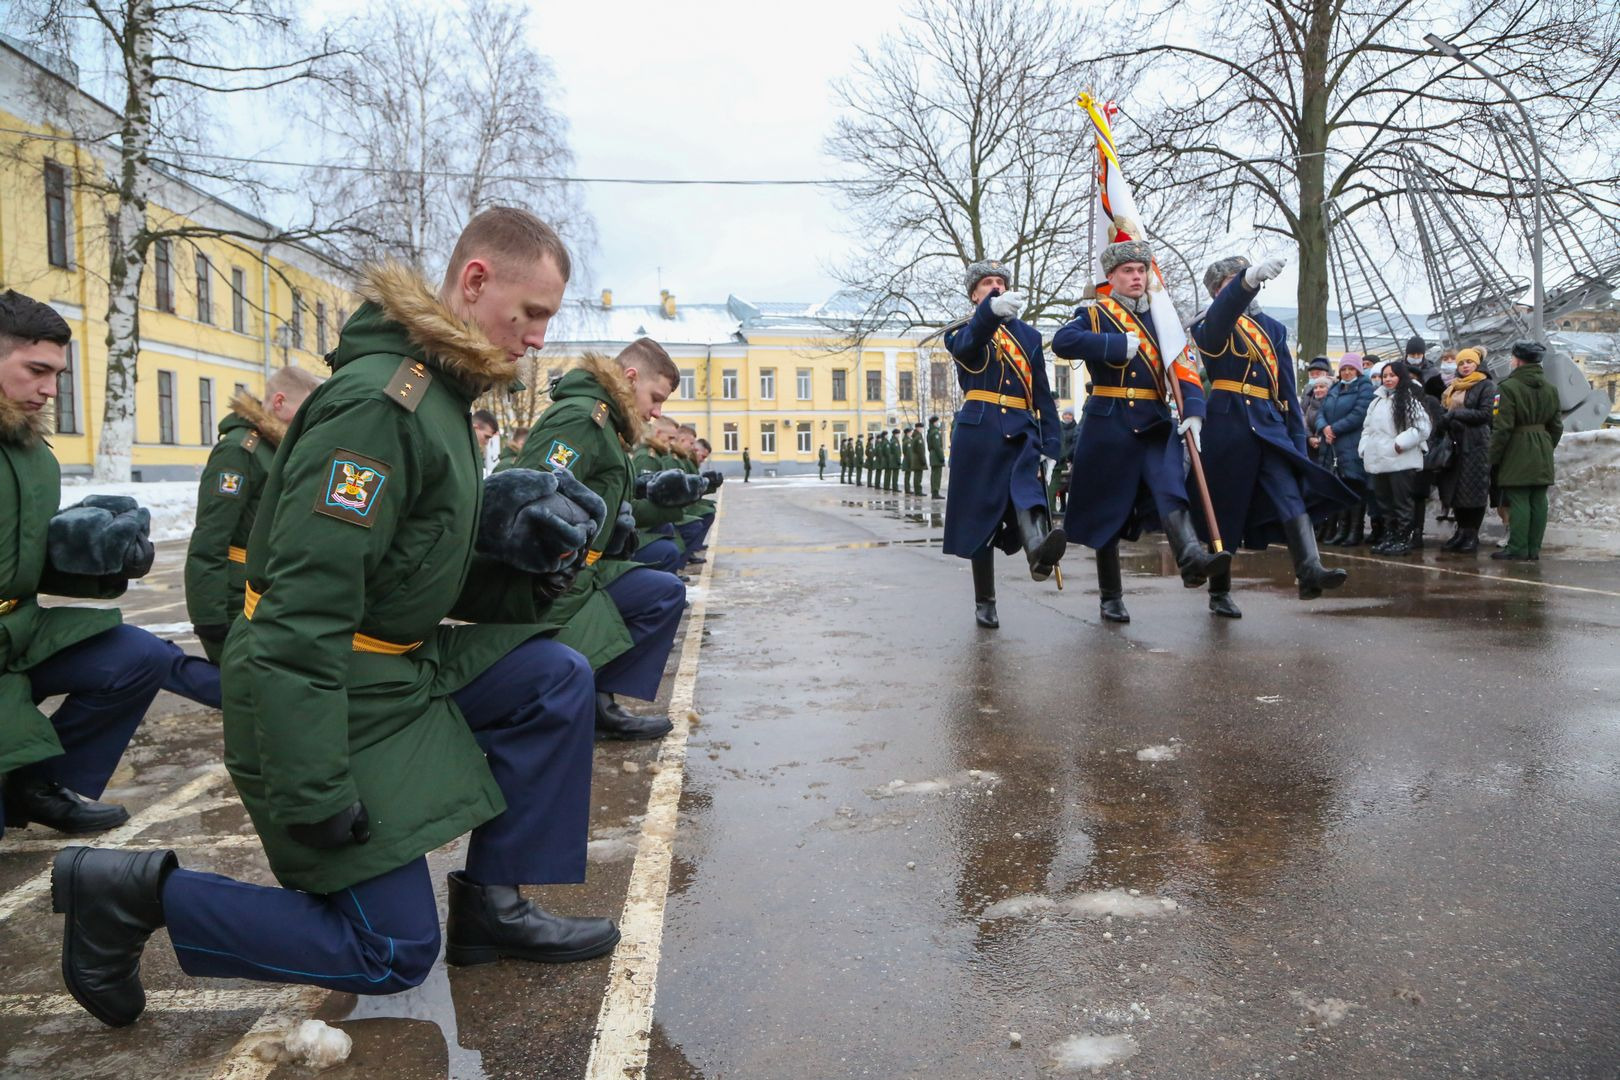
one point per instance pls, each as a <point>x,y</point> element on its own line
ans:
<point>1376,533</point>
<point>30,799</point>
<point>614,721</point>
<point>1220,596</point>
<point>1469,542</point>
<point>113,901</point>
<point>1414,536</point>
<point>1196,564</point>
<point>1312,576</point>
<point>1110,586</point>
<point>1453,540</point>
<point>984,590</point>
<point>1358,528</point>
<point>487,922</point>
<point>1043,544</point>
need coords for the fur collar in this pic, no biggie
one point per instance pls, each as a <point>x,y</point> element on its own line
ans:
<point>610,376</point>
<point>655,442</point>
<point>249,408</point>
<point>19,427</point>
<point>459,348</point>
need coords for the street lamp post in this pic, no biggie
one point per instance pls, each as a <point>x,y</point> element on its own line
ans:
<point>1537,326</point>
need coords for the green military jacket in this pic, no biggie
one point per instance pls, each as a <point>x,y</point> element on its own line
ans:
<point>506,459</point>
<point>363,545</point>
<point>916,455</point>
<point>227,505</point>
<point>591,421</point>
<point>30,495</point>
<point>651,456</point>
<point>936,446</point>
<point>1527,425</point>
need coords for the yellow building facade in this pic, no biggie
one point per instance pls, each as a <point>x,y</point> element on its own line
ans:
<point>218,313</point>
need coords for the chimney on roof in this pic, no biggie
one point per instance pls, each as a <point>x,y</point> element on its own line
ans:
<point>669,303</point>
<point>607,298</point>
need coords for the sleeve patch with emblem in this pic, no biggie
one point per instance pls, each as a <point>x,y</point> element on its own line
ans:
<point>353,487</point>
<point>561,454</point>
<point>230,483</point>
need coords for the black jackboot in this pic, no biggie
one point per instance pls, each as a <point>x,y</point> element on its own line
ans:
<point>614,721</point>
<point>1312,576</point>
<point>984,590</point>
<point>1196,564</point>
<point>1110,586</point>
<point>1043,544</point>
<point>113,901</point>
<point>487,922</point>
<point>1220,596</point>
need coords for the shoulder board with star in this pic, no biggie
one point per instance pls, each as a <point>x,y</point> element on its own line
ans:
<point>409,384</point>
<point>599,415</point>
<point>250,441</point>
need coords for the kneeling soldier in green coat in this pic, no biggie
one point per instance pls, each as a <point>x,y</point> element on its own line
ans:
<point>228,501</point>
<point>361,729</point>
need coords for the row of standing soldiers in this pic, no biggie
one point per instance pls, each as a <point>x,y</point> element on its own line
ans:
<point>895,458</point>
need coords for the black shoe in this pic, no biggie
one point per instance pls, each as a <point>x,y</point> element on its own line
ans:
<point>35,799</point>
<point>1110,585</point>
<point>113,901</point>
<point>1196,565</point>
<point>1220,597</point>
<point>1509,556</point>
<point>1358,529</point>
<point>1043,544</point>
<point>695,560</point>
<point>1453,540</point>
<point>1312,576</point>
<point>487,922</point>
<point>984,591</point>
<point>614,721</point>
<point>1468,542</point>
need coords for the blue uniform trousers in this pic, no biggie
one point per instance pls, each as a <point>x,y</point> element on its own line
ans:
<point>660,555</point>
<point>693,533</point>
<point>532,712</point>
<point>192,677</point>
<point>650,604</point>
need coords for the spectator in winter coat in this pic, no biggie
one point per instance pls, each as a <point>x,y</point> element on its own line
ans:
<point>1465,482</point>
<point>1393,440</point>
<point>1338,423</point>
<point>1427,388</point>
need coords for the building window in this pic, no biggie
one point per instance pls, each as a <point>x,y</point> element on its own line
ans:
<point>840,434</point>
<point>205,405</point>
<point>937,386</point>
<point>728,438</point>
<point>767,437</point>
<point>56,214</point>
<point>874,386</point>
<point>804,384</point>
<point>802,430</point>
<point>163,276</point>
<point>840,385</point>
<point>907,390</point>
<point>205,296</point>
<point>297,323</point>
<point>238,300</point>
<point>728,384</point>
<point>67,393</point>
<point>166,423</point>
<point>688,389</point>
<point>767,383</point>
<point>1064,383</point>
<point>320,327</point>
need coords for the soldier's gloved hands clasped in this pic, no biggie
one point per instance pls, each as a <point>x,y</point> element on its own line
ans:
<point>715,478</point>
<point>1255,276</point>
<point>622,544</point>
<point>1133,343</point>
<point>536,521</point>
<point>674,488</point>
<point>348,826</point>
<point>102,535</point>
<point>1008,305</point>
<point>552,585</point>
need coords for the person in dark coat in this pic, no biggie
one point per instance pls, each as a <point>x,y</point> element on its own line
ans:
<point>1057,489</point>
<point>1339,422</point>
<point>1127,474</point>
<point>1465,483</point>
<point>1008,422</point>
<point>1264,487</point>
<point>1429,386</point>
<point>1528,425</point>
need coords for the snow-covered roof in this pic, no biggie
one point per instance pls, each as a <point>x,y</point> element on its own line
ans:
<point>588,321</point>
<point>1586,343</point>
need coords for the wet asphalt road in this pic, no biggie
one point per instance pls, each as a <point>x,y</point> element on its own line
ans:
<point>1368,836</point>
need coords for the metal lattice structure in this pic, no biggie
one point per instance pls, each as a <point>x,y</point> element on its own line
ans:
<point>1367,305</point>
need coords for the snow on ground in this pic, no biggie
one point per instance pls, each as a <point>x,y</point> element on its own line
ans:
<point>1103,902</point>
<point>1092,1052</point>
<point>173,503</point>
<point>1158,753</point>
<point>1588,488</point>
<point>968,777</point>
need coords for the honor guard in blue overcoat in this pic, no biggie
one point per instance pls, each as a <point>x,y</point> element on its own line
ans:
<point>1007,423</point>
<point>1264,485</point>
<point>1127,474</point>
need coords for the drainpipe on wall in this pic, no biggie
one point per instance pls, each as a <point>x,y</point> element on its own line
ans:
<point>264,264</point>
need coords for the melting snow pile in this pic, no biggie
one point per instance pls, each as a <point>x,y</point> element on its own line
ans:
<point>1588,488</point>
<point>1090,1052</point>
<point>1329,1012</point>
<point>1158,753</point>
<point>311,1043</point>
<point>173,503</point>
<point>966,778</point>
<point>1125,903</point>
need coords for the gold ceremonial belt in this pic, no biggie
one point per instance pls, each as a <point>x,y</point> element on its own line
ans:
<point>591,557</point>
<point>362,642</point>
<point>8,606</point>
<point>236,554</point>
<point>1003,400</point>
<point>1129,393</point>
<point>1232,386</point>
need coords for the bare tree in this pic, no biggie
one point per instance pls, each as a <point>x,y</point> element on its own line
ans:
<point>965,142</point>
<point>1281,109</point>
<point>168,58</point>
<point>439,115</point>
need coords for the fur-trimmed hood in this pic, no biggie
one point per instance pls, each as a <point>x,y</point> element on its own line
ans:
<point>655,442</point>
<point>19,427</point>
<point>448,342</point>
<point>616,390</point>
<point>249,408</point>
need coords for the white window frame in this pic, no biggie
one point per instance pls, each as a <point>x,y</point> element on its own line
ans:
<point>729,438</point>
<point>728,384</point>
<point>767,383</point>
<point>806,381</point>
<point>805,436</point>
<point>688,390</point>
<point>767,436</point>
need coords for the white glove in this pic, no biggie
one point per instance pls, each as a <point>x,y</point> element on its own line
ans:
<point>1133,342</point>
<point>1254,276</point>
<point>1195,425</point>
<point>1007,305</point>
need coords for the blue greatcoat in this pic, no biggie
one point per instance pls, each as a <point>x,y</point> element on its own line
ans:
<point>996,450</point>
<point>1127,471</point>
<point>1255,460</point>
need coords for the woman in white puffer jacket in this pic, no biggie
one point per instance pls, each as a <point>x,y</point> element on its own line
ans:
<point>1393,440</point>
